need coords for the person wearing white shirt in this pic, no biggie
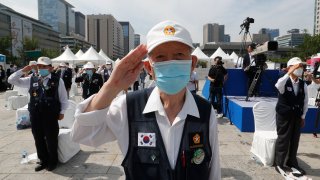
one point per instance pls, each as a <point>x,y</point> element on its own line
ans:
<point>165,132</point>
<point>291,110</point>
<point>48,103</point>
<point>193,84</point>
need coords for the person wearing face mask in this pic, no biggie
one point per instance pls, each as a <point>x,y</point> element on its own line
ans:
<point>291,110</point>
<point>165,132</point>
<point>91,81</point>
<point>66,75</point>
<point>105,71</point>
<point>48,103</point>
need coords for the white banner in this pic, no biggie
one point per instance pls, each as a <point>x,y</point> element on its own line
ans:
<point>16,33</point>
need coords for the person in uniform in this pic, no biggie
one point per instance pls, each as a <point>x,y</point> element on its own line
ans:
<point>105,71</point>
<point>48,102</point>
<point>65,73</point>
<point>91,81</point>
<point>291,110</point>
<point>165,132</point>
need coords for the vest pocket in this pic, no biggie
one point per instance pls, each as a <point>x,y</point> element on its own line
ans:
<point>146,163</point>
<point>198,169</point>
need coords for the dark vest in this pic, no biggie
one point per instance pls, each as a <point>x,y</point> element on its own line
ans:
<point>288,102</point>
<point>91,86</point>
<point>44,98</point>
<point>145,163</point>
<point>106,75</point>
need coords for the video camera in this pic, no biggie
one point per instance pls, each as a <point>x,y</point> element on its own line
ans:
<point>259,51</point>
<point>246,23</point>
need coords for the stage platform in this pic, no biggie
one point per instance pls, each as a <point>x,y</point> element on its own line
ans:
<point>240,113</point>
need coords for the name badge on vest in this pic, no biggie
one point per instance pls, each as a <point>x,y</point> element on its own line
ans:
<point>35,84</point>
<point>146,139</point>
<point>289,89</point>
<point>196,140</point>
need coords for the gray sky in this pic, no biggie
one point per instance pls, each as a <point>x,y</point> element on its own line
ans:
<point>193,14</point>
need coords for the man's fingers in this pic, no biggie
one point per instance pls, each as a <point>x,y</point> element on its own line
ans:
<point>135,56</point>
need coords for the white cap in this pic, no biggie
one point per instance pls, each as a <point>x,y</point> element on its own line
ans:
<point>167,31</point>
<point>44,61</point>
<point>63,64</point>
<point>89,65</point>
<point>294,61</point>
<point>108,62</point>
<point>31,63</point>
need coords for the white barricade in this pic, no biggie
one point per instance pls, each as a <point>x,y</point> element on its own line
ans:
<point>10,93</point>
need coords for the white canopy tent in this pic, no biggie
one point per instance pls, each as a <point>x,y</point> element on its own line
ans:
<point>91,55</point>
<point>227,60</point>
<point>66,56</point>
<point>79,53</point>
<point>200,55</point>
<point>101,53</point>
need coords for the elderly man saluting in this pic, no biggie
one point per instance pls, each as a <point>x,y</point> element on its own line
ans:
<point>164,133</point>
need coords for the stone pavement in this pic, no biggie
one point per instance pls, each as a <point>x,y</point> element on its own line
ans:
<point>104,162</point>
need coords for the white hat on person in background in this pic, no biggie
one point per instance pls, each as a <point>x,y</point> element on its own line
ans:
<point>63,64</point>
<point>44,61</point>
<point>32,63</point>
<point>108,63</point>
<point>89,65</point>
<point>167,31</point>
<point>294,61</point>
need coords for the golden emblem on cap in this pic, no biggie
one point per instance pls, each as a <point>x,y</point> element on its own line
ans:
<point>169,31</point>
<point>196,138</point>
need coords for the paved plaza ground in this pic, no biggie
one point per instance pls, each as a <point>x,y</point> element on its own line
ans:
<point>105,162</point>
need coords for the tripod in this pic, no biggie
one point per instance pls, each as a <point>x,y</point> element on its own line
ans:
<point>243,41</point>
<point>254,82</point>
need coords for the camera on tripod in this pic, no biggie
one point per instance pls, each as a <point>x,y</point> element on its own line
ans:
<point>246,23</point>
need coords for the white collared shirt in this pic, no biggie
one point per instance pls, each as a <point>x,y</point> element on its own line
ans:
<point>15,79</point>
<point>280,85</point>
<point>98,127</point>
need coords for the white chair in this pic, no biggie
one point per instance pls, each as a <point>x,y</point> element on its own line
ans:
<point>10,93</point>
<point>66,147</point>
<point>68,119</point>
<point>265,135</point>
<point>16,102</point>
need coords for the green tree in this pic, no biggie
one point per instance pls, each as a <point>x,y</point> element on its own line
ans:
<point>51,53</point>
<point>309,47</point>
<point>5,44</point>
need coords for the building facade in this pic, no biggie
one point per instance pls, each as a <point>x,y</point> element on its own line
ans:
<point>128,37</point>
<point>80,24</point>
<point>290,40</point>
<point>106,33</point>
<point>19,27</point>
<point>316,28</point>
<point>213,33</point>
<point>260,38</point>
<point>75,43</point>
<point>58,14</point>
<point>136,40</point>
<point>273,33</point>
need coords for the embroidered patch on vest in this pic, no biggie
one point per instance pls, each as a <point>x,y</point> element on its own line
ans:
<point>198,156</point>
<point>195,140</point>
<point>35,84</point>
<point>146,139</point>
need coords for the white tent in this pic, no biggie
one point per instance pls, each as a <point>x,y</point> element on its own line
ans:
<point>92,56</point>
<point>101,53</point>
<point>66,56</point>
<point>79,53</point>
<point>225,58</point>
<point>200,55</point>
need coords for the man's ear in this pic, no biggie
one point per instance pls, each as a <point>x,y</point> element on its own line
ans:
<point>194,62</point>
<point>148,67</point>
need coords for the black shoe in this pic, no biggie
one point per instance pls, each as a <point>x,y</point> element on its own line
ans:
<point>51,167</point>
<point>302,172</point>
<point>280,169</point>
<point>39,167</point>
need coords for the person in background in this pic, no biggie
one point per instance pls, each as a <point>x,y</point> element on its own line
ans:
<point>193,84</point>
<point>65,73</point>
<point>48,103</point>
<point>91,81</point>
<point>164,133</point>
<point>217,76</point>
<point>10,70</point>
<point>105,71</point>
<point>143,75</point>
<point>3,86</point>
<point>291,110</point>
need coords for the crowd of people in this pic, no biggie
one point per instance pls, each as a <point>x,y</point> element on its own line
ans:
<point>164,129</point>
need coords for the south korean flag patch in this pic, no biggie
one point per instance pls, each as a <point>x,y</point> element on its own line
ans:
<point>147,139</point>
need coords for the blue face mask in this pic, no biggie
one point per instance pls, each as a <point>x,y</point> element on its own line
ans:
<point>89,72</point>
<point>172,76</point>
<point>44,72</point>
<point>33,71</point>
